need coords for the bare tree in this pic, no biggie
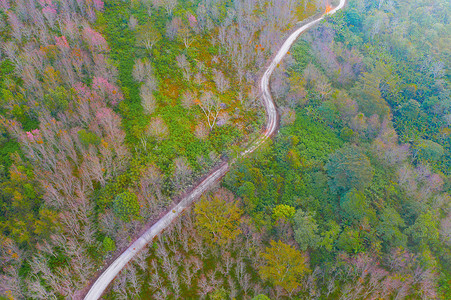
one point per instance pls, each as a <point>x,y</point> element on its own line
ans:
<point>204,286</point>
<point>311,74</point>
<point>132,22</point>
<point>156,281</point>
<point>133,280</point>
<point>199,78</point>
<point>201,131</point>
<point>186,34</point>
<point>188,275</point>
<point>222,84</point>
<point>210,106</point>
<point>142,70</point>
<point>169,5</point>
<point>197,263</point>
<point>175,286</point>
<point>228,261</point>
<point>188,98</point>
<point>437,69</point>
<point>150,186</point>
<point>183,64</point>
<point>10,282</point>
<point>323,87</point>
<point>182,173</point>
<point>140,259</point>
<point>148,101</point>
<point>288,115</point>
<point>245,283</point>
<point>232,288</point>
<point>163,294</point>
<point>158,129</point>
<point>173,28</point>
<point>147,36</point>
<point>16,26</point>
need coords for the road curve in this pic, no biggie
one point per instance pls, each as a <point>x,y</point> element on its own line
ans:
<point>116,266</point>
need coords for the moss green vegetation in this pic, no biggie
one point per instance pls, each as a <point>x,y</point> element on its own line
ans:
<point>287,172</point>
<point>180,140</point>
<point>125,51</point>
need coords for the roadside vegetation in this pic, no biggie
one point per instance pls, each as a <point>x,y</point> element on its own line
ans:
<point>110,110</point>
<point>345,191</point>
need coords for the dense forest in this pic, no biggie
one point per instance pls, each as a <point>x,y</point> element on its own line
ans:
<point>110,110</point>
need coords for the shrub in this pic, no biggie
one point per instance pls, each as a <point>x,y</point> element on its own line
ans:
<point>88,138</point>
<point>126,206</point>
<point>108,244</point>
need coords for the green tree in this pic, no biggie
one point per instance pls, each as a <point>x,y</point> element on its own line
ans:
<point>354,205</point>
<point>306,230</point>
<point>217,220</point>
<point>88,138</point>
<point>284,265</point>
<point>219,294</point>
<point>247,191</point>
<point>126,206</point>
<point>347,134</point>
<point>349,168</point>
<point>350,241</point>
<point>23,216</point>
<point>428,150</point>
<point>353,18</point>
<point>329,112</point>
<point>425,229</point>
<point>329,237</point>
<point>109,244</point>
<point>368,93</point>
<point>283,211</point>
<point>411,109</point>
<point>57,99</point>
<point>389,228</point>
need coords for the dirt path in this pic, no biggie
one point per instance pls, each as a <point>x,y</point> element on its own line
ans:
<point>116,266</point>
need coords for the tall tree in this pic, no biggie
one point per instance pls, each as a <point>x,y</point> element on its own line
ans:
<point>354,205</point>
<point>147,36</point>
<point>306,230</point>
<point>210,106</point>
<point>218,217</point>
<point>425,229</point>
<point>349,168</point>
<point>389,228</point>
<point>283,266</point>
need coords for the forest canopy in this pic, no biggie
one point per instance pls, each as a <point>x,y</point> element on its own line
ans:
<point>112,111</point>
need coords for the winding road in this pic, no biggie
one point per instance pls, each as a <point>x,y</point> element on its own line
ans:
<point>116,266</point>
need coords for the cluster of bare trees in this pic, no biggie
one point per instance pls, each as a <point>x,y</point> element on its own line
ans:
<point>248,33</point>
<point>209,103</point>
<point>252,30</point>
<point>178,265</point>
<point>402,276</point>
<point>79,144</point>
<point>69,156</point>
<point>51,65</point>
<point>143,73</point>
<point>11,258</point>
